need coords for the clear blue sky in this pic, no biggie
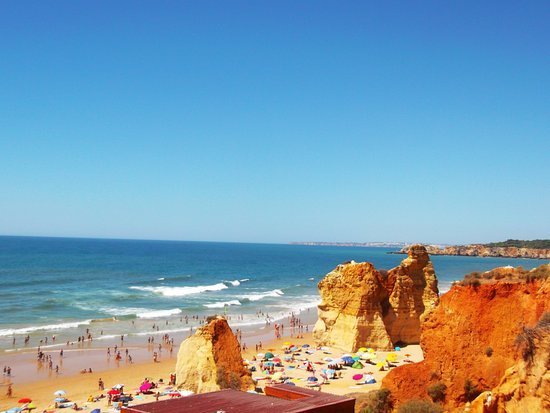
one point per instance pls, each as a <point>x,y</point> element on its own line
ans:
<point>275,121</point>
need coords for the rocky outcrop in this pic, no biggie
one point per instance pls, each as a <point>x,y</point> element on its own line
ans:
<point>471,336</point>
<point>362,306</point>
<point>479,250</point>
<point>211,360</point>
<point>413,294</point>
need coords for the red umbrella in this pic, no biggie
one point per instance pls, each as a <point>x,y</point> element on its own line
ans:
<point>113,392</point>
<point>25,400</point>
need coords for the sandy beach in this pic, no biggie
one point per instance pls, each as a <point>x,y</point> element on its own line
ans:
<point>79,387</point>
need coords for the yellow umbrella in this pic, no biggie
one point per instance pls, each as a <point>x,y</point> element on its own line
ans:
<point>380,365</point>
<point>362,350</point>
<point>391,357</point>
<point>370,350</point>
<point>368,356</point>
<point>287,343</point>
<point>277,376</point>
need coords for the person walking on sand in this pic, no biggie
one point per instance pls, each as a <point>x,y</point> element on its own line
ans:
<point>100,384</point>
<point>9,393</point>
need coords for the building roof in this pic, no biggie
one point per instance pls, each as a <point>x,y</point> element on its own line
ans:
<point>298,400</point>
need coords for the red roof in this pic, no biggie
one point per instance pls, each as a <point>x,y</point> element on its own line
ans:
<point>298,400</point>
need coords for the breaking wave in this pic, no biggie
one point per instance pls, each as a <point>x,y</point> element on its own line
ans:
<point>181,291</point>
<point>223,304</point>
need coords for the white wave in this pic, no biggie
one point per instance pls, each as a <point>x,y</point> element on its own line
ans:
<point>257,297</point>
<point>161,279</point>
<point>181,291</point>
<point>244,280</point>
<point>117,311</point>
<point>234,283</point>
<point>223,304</point>
<point>49,327</point>
<point>311,279</point>
<point>159,313</point>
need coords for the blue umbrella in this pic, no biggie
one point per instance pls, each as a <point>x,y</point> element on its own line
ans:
<point>312,378</point>
<point>348,360</point>
<point>96,411</point>
<point>305,345</point>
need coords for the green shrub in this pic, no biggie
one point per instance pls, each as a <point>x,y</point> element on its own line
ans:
<point>375,401</point>
<point>420,406</point>
<point>470,390</point>
<point>437,392</point>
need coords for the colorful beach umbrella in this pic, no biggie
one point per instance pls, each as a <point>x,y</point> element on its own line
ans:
<point>391,357</point>
<point>24,400</point>
<point>96,411</point>
<point>113,392</point>
<point>362,350</point>
<point>59,393</point>
<point>31,406</point>
<point>357,377</point>
<point>269,355</point>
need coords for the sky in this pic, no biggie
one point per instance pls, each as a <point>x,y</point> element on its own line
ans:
<point>256,121</point>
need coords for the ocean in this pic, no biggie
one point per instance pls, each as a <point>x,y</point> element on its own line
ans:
<point>64,286</point>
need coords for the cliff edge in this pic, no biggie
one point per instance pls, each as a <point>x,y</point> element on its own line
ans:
<point>469,339</point>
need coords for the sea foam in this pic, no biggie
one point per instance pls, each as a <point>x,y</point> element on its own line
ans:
<point>181,291</point>
<point>49,327</point>
<point>223,304</point>
<point>159,313</point>
<point>257,297</point>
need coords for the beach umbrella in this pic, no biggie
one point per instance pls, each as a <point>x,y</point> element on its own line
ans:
<point>260,355</point>
<point>357,377</point>
<point>391,357</point>
<point>348,360</point>
<point>305,345</point>
<point>368,356</point>
<point>24,400</point>
<point>357,365</point>
<point>362,350</point>
<point>60,393</point>
<point>277,376</point>
<point>356,358</point>
<point>113,392</point>
<point>380,365</point>
<point>346,355</point>
<point>31,406</point>
<point>276,359</point>
<point>96,411</point>
<point>312,379</point>
<point>269,355</point>
<point>145,386</point>
<point>370,350</point>
<point>118,386</point>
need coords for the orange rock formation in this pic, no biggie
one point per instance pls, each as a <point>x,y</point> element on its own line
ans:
<point>471,335</point>
<point>364,307</point>
<point>211,359</point>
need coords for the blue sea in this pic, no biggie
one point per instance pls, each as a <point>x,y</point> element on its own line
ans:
<point>59,286</point>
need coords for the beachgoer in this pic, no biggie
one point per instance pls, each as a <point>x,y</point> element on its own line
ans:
<point>100,384</point>
<point>9,392</point>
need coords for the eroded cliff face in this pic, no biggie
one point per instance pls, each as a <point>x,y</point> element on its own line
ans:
<point>478,250</point>
<point>211,359</point>
<point>364,307</point>
<point>471,335</point>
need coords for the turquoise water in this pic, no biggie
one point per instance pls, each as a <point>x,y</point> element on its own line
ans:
<point>59,285</point>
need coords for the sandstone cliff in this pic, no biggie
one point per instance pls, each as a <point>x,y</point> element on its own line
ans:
<point>364,307</point>
<point>211,360</point>
<point>471,335</point>
<point>479,250</point>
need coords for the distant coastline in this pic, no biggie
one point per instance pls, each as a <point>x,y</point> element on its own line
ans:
<point>485,250</point>
<point>353,244</point>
